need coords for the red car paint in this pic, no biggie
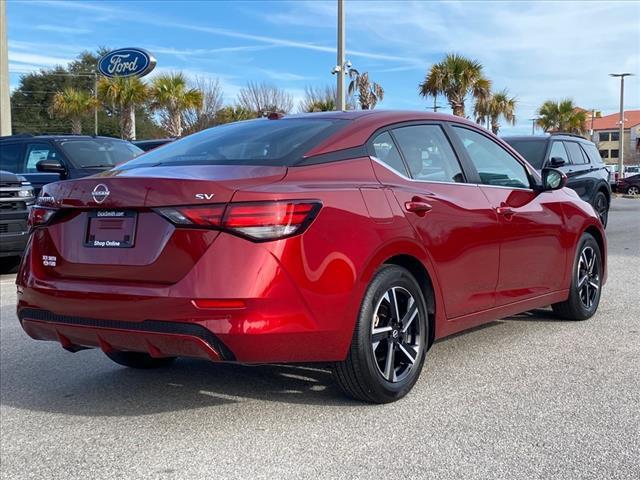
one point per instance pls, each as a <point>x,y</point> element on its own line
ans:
<point>489,252</point>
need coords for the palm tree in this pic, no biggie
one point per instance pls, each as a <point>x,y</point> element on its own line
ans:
<point>124,93</point>
<point>234,114</point>
<point>490,109</point>
<point>454,78</point>
<point>172,97</point>
<point>73,105</point>
<point>369,94</point>
<point>562,116</point>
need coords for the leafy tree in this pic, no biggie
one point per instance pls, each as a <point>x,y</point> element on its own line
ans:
<point>262,99</point>
<point>30,102</point>
<point>234,114</point>
<point>73,105</point>
<point>490,109</point>
<point>204,115</point>
<point>124,94</point>
<point>455,77</point>
<point>171,96</point>
<point>322,100</point>
<point>369,94</point>
<point>562,116</point>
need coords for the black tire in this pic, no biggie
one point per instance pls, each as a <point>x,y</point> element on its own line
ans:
<point>582,304</point>
<point>139,360</point>
<point>601,206</point>
<point>361,375</point>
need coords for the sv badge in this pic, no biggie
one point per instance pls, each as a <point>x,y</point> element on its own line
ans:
<point>204,196</point>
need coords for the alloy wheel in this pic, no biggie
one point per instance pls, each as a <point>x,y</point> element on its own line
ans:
<point>633,190</point>
<point>588,281</point>
<point>602,208</point>
<point>396,334</point>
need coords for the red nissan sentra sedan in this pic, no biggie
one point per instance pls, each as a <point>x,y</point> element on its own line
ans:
<point>355,238</point>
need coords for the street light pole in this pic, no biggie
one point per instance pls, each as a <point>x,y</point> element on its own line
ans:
<point>533,125</point>
<point>95,110</point>
<point>340,100</point>
<point>5,105</point>
<point>621,134</point>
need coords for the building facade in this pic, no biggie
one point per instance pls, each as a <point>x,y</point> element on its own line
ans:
<point>606,135</point>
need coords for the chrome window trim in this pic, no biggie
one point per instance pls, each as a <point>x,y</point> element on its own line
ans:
<point>381,163</point>
<point>404,177</point>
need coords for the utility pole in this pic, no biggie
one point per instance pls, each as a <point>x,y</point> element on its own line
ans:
<point>621,134</point>
<point>5,105</point>
<point>95,110</point>
<point>340,64</point>
<point>533,125</point>
<point>435,107</point>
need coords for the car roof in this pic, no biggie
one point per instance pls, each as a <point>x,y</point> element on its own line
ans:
<point>26,137</point>
<point>363,122</point>
<point>546,138</point>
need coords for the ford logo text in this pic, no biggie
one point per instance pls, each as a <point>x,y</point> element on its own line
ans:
<point>126,62</point>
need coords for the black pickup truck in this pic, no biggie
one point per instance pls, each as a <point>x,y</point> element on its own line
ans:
<point>16,195</point>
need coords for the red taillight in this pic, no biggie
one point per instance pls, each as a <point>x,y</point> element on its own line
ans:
<point>39,216</point>
<point>218,303</point>
<point>259,221</point>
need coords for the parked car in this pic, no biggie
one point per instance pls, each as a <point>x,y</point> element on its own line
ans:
<point>16,195</point>
<point>629,185</point>
<point>44,159</point>
<point>355,238</point>
<point>577,158</point>
<point>147,145</point>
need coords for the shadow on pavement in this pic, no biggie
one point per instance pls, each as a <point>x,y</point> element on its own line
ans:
<point>91,388</point>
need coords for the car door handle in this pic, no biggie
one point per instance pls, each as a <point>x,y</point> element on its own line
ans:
<point>417,206</point>
<point>505,211</point>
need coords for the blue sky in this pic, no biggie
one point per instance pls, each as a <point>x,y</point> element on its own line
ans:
<point>538,50</point>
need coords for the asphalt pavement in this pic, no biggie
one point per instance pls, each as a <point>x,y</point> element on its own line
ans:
<point>529,397</point>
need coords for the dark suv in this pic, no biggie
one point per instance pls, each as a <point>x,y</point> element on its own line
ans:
<point>578,158</point>
<point>48,158</point>
<point>16,196</point>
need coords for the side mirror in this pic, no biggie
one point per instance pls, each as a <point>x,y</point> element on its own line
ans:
<point>556,162</point>
<point>553,179</point>
<point>50,166</point>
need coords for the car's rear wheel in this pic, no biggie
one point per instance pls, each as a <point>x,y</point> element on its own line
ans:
<point>633,190</point>
<point>389,341</point>
<point>601,206</point>
<point>139,359</point>
<point>586,283</point>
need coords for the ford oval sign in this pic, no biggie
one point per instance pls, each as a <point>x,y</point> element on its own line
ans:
<point>126,62</point>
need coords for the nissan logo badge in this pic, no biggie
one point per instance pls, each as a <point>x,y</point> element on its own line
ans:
<point>100,193</point>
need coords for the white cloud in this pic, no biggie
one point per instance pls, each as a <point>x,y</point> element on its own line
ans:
<point>62,29</point>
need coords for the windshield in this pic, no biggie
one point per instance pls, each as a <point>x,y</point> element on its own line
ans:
<point>254,142</point>
<point>98,152</point>
<point>532,150</point>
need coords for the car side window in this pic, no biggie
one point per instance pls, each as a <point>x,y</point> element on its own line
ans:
<point>387,152</point>
<point>11,157</point>
<point>37,152</point>
<point>575,153</point>
<point>558,151</point>
<point>593,153</point>
<point>494,164</point>
<point>428,153</point>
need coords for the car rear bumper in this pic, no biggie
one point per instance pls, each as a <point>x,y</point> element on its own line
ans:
<point>159,339</point>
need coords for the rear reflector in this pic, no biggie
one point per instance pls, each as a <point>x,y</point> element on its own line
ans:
<point>258,221</point>
<point>218,303</point>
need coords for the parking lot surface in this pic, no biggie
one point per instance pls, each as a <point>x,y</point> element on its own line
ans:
<point>525,397</point>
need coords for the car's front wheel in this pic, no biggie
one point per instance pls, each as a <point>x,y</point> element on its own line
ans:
<point>389,341</point>
<point>139,359</point>
<point>586,283</point>
<point>633,190</point>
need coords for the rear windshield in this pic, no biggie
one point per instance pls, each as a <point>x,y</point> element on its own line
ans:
<point>254,142</point>
<point>98,152</point>
<point>532,150</point>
